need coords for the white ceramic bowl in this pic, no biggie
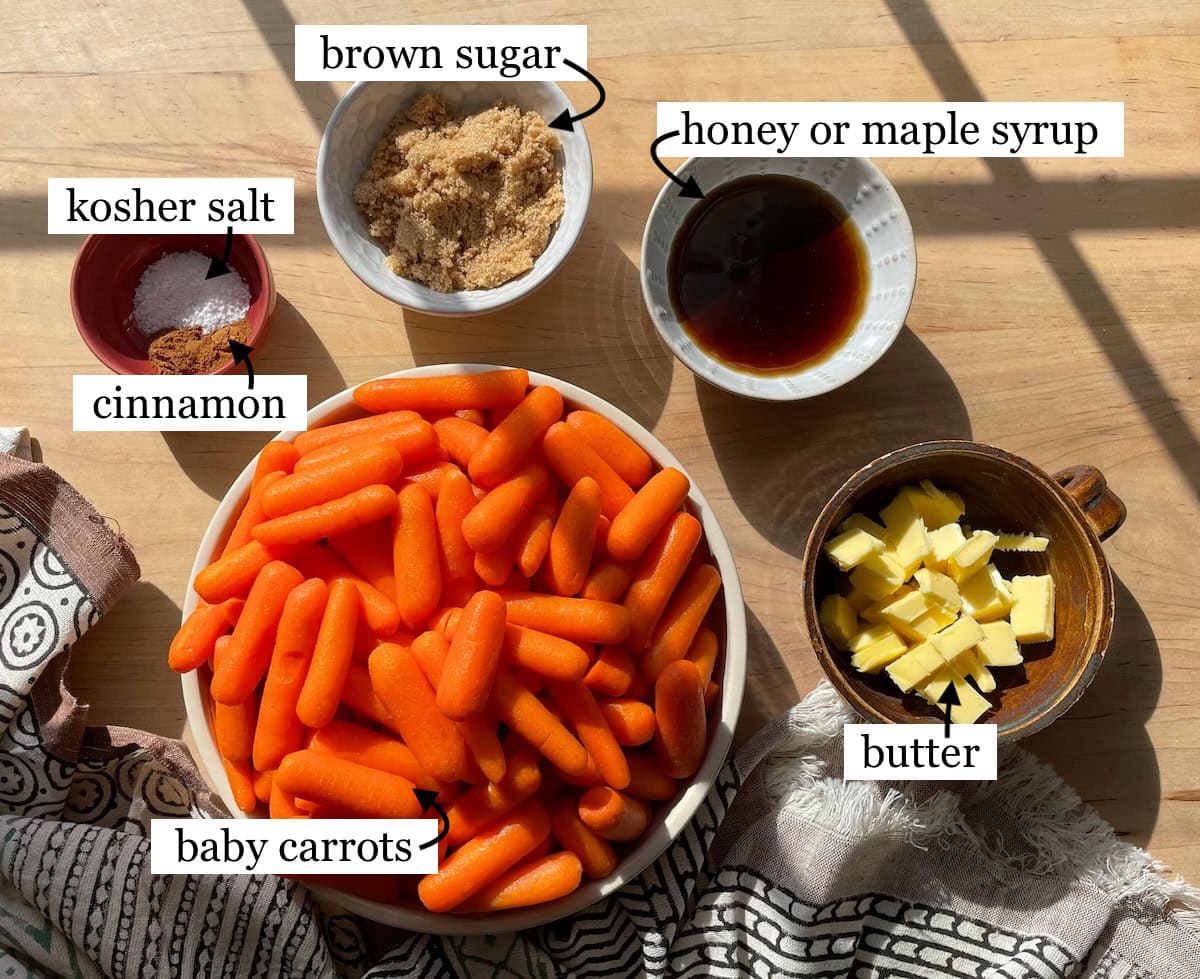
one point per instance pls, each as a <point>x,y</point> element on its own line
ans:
<point>874,207</point>
<point>358,123</point>
<point>670,818</point>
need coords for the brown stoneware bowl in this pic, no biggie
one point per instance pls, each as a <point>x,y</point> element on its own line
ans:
<point>1004,492</point>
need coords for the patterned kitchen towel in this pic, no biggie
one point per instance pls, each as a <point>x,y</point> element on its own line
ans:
<point>787,870</point>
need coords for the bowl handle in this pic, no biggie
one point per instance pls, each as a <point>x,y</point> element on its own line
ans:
<point>1101,507</point>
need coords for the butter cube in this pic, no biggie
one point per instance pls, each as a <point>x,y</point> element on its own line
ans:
<point>878,576</point>
<point>907,539</point>
<point>933,621</point>
<point>938,589</point>
<point>859,521</point>
<point>839,620</point>
<point>965,633</point>
<point>971,556</point>
<point>1023,543</point>
<point>1033,608</point>
<point>945,541</point>
<point>858,599</point>
<point>869,636</point>
<point>915,666</point>
<point>999,645</point>
<point>986,595</point>
<point>936,685</point>
<point>875,657</point>
<point>850,549</point>
<point>971,704</point>
<point>968,663</point>
<point>933,506</point>
<point>907,608</point>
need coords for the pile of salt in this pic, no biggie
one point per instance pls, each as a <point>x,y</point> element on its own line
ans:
<point>173,293</point>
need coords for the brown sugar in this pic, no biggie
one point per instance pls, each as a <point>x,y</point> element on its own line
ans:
<point>191,351</point>
<point>463,203</point>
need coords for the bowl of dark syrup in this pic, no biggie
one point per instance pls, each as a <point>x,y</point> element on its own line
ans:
<point>789,278</point>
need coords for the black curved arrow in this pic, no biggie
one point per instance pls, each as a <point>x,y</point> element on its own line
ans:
<point>427,798</point>
<point>241,355</point>
<point>220,266</point>
<point>689,187</point>
<point>564,120</point>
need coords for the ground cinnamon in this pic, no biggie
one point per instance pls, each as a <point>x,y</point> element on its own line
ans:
<point>191,351</point>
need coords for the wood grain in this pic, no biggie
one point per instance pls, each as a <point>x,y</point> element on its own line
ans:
<point>1054,312</point>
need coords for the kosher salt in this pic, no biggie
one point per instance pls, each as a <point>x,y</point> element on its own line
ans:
<point>173,293</point>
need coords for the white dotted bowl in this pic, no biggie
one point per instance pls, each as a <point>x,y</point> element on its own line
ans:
<point>877,212</point>
<point>358,123</point>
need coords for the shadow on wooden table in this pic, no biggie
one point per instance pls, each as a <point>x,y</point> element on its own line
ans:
<point>291,347</point>
<point>142,624</point>
<point>769,687</point>
<point>782,462</point>
<point>587,325</point>
<point>1101,746</point>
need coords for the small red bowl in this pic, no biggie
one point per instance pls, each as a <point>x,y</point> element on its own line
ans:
<point>106,274</point>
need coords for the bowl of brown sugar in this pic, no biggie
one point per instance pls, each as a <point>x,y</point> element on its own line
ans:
<point>453,198</point>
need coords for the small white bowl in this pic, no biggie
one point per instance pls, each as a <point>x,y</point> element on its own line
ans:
<point>670,818</point>
<point>877,212</point>
<point>358,123</point>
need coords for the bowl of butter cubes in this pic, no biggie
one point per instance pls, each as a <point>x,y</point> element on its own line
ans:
<point>956,578</point>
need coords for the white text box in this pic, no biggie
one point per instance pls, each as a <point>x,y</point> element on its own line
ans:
<point>921,752</point>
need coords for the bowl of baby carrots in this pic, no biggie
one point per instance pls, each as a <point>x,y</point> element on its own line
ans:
<point>482,582</point>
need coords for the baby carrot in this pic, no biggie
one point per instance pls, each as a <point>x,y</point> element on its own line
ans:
<point>612,673</point>
<point>231,575</point>
<point>533,537</point>
<point>454,502</point>
<point>682,725</point>
<point>194,642</point>
<point>492,520</point>
<point>648,781</point>
<point>571,458</point>
<point>279,731</point>
<point>241,783</point>
<point>459,437</point>
<point>631,721</point>
<point>613,815</point>
<point>482,805</point>
<point>581,709</point>
<point>249,653</point>
<point>417,557</point>
<point>628,459</point>
<point>514,438</point>
<point>448,393</point>
<point>658,576</point>
<point>411,702</point>
<point>550,656</point>
<point>359,696</point>
<point>379,611</point>
<point>308,526</point>
<point>430,649</point>
<point>252,513</point>
<point>368,552</point>
<point>573,538</point>
<point>704,653</point>
<point>484,858</point>
<point>429,477</point>
<point>635,527</point>
<point>333,480</point>
<point>577,619</point>
<point>494,567</point>
<point>276,456</point>
<point>608,581</point>
<point>316,438</point>
<point>517,707</point>
<point>281,805</point>
<point>262,785</point>
<point>373,749</point>
<point>413,440</point>
<point>595,853</point>
<point>322,690</point>
<point>233,724</point>
<point>474,657</point>
<point>682,619</point>
<point>710,694</point>
<point>535,881</point>
<point>346,785</point>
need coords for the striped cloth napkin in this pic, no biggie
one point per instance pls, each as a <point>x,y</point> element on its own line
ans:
<point>787,870</point>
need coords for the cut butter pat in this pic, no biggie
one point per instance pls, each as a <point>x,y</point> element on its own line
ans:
<point>839,620</point>
<point>986,595</point>
<point>945,541</point>
<point>870,636</point>
<point>939,589</point>
<point>878,576</point>
<point>971,556</point>
<point>875,657</point>
<point>999,645</point>
<point>915,666</point>
<point>1023,543</point>
<point>956,639</point>
<point>850,549</point>
<point>1033,608</point>
<point>906,535</point>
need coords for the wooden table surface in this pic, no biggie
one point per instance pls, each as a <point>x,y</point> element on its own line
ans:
<point>1055,310</point>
